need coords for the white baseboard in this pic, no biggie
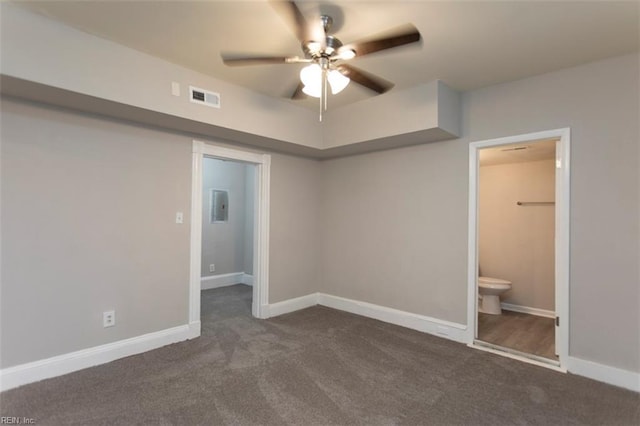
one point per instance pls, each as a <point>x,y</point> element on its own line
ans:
<point>448,330</point>
<point>222,280</point>
<point>62,364</point>
<point>604,373</point>
<point>292,305</point>
<point>488,347</point>
<point>247,279</point>
<point>528,310</point>
<point>195,329</point>
<point>56,366</point>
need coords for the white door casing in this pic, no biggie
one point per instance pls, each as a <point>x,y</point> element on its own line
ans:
<point>259,307</point>
<point>562,210</point>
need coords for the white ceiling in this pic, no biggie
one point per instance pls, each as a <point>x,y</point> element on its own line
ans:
<point>466,44</point>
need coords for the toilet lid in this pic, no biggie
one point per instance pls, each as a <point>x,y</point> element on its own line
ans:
<point>489,280</point>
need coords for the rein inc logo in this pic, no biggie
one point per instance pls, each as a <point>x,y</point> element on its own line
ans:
<point>7,420</point>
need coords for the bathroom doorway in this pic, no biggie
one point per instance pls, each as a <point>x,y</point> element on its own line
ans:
<point>518,247</point>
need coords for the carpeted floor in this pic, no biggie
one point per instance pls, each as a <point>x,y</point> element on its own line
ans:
<point>317,366</point>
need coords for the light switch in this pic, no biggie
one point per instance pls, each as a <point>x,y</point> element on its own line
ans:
<point>179,217</point>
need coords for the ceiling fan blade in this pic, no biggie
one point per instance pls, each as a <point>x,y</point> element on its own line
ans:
<point>289,11</point>
<point>298,93</point>
<point>236,61</point>
<point>398,37</point>
<point>365,79</point>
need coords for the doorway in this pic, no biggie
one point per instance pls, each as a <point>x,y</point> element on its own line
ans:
<point>227,225</point>
<point>227,238</point>
<point>219,197</point>
<point>518,239</point>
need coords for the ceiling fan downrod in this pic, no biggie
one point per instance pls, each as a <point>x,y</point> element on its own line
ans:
<point>324,65</point>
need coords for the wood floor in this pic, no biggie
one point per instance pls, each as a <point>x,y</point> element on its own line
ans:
<point>522,332</point>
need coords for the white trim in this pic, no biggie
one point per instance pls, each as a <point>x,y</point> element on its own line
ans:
<point>261,224</point>
<point>487,348</point>
<point>195,327</point>
<point>222,280</point>
<point>562,232</point>
<point>456,332</point>
<point>528,310</point>
<point>448,330</point>
<point>292,305</point>
<point>563,243</point>
<point>261,237</point>
<point>604,373</point>
<point>196,233</point>
<point>472,250</point>
<point>223,153</point>
<point>63,364</point>
<point>247,279</point>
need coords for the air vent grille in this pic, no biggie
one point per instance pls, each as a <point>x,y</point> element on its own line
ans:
<point>204,97</point>
<point>517,148</point>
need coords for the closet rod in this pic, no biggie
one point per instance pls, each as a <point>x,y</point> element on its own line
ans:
<point>536,203</point>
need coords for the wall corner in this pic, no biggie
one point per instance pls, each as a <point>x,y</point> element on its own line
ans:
<point>449,109</point>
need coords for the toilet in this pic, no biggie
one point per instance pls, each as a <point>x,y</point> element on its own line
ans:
<point>489,290</point>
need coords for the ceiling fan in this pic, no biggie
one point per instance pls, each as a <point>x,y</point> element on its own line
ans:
<point>325,55</point>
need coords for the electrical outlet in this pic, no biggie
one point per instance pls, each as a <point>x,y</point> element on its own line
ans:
<point>109,318</point>
<point>212,268</point>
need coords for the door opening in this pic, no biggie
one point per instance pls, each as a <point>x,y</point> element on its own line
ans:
<point>518,247</point>
<point>215,211</point>
<point>228,216</point>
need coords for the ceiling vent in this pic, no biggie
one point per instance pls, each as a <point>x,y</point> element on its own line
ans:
<point>516,148</point>
<point>204,97</point>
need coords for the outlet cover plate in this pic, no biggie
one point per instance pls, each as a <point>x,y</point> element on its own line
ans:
<point>109,318</point>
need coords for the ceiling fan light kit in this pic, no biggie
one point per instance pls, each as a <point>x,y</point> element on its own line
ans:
<point>323,51</point>
<point>312,75</point>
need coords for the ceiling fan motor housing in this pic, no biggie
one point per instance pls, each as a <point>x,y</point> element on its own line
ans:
<point>315,49</point>
<point>325,48</point>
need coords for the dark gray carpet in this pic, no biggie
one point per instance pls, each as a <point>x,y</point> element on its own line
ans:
<point>316,367</point>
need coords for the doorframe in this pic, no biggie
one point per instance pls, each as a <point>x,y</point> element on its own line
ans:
<point>562,235</point>
<point>260,303</point>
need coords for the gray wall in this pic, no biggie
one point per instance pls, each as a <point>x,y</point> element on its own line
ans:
<point>88,211</point>
<point>88,224</point>
<point>295,232</point>
<point>249,217</point>
<point>227,245</point>
<point>394,229</point>
<point>74,60</point>
<point>599,102</point>
<point>395,223</point>
<point>516,243</point>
